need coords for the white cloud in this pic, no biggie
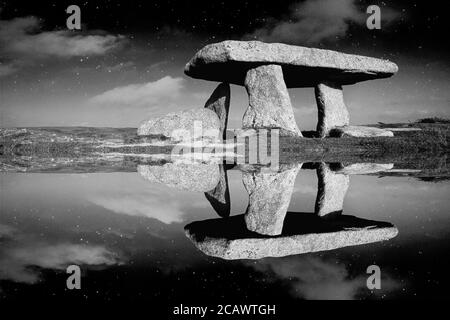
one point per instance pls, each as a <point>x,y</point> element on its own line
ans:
<point>313,21</point>
<point>160,94</point>
<point>22,41</point>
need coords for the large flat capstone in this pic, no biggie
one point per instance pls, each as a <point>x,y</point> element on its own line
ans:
<point>229,61</point>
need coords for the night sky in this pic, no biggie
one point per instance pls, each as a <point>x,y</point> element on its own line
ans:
<point>126,64</point>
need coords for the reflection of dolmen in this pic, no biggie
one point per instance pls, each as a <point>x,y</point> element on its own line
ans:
<point>268,230</point>
<point>192,176</point>
<point>302,233</point>
<point>269,197</point>
<point>268,69</point>
<point>270,192</point>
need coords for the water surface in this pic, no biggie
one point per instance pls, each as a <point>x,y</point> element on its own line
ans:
<point>128,236</point>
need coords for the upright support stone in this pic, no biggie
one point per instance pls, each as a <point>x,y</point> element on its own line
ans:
<point>331,191</point>
<point>219,197</point>
<point>269,197</point>
<point>219,102</point>
<point>331,107</point>
<point>269,101</point>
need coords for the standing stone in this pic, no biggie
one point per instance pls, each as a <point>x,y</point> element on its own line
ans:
<point>331,107</point>
<point>269,102</point>
<point>219,197</point>
<point>269,197</point>
<point>219,102</point>
<point>331,191</point>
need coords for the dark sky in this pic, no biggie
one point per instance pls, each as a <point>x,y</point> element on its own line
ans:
<point>127,62</point>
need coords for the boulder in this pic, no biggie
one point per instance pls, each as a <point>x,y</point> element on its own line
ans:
<point>192,177</point>
<point>269,102</point>
<point>229,61</point>
<point>184,125</point>
<point>365,168</point>
<point>360,132</point>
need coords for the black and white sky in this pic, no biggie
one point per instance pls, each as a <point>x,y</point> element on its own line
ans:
<point>126,63</point>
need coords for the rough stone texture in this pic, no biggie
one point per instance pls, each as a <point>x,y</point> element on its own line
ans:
<point>259,248</point>
<point>365,168</point>
<point>219,197</point>
<point>360,132</point>
<point>269,102</point>
<point>173,124</point>
<point>331,191</point>
<point>229,61</point>
<point>332,111</point>
<point>228,239</point>
<point>219,102</point>
<point>269,198</point>
<point>191,177</point>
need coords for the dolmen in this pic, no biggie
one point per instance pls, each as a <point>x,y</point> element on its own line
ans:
<point>267,70</point>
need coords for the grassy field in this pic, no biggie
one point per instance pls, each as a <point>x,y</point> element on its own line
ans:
<point>87,149</point>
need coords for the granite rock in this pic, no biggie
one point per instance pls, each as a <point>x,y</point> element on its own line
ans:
<point>184,125</point>
<point>219,102</point>
<point>229,61</point>
<point>269,197</point>
<point>331,191</point>
<point>269,102</point>
<point>360,132</point>
<point>219,197</point>
<point>332,111</point>
<point>192,177</point>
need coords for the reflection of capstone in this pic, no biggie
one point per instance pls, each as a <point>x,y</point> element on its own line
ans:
<point>302,233</point>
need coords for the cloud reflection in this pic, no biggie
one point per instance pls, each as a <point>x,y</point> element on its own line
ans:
<point>315,278</point>
<point>19,256</point>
